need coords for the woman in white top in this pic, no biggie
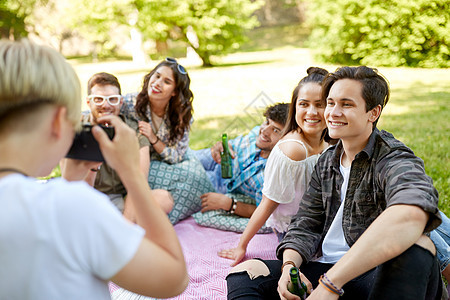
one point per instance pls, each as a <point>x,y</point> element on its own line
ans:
<point>61,239</point>
<point>288,169</point>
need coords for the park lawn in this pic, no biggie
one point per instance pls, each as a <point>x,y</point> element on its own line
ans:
<point>417,114</point>
<point>230,98</point>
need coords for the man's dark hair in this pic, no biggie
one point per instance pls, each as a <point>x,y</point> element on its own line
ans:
<point>277,113</point>
<point>375,88</point>
<point>103,79</point>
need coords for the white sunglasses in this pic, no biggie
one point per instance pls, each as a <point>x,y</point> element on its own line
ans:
<point>99,100</point>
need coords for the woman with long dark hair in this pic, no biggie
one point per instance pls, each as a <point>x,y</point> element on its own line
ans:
<point>164,108</point>
<point>290,163</point>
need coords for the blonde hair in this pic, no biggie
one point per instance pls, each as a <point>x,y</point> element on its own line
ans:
<point>32,75</point>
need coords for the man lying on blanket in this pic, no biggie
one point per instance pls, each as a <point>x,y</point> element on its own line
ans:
<point>250,153</point>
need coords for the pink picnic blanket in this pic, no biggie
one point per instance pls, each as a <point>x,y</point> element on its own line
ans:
<point>207,271</point>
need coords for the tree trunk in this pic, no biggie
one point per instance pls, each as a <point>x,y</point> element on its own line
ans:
<point>206,59</point>
<point>268,12</point>
<point>301,8</point>
<point>204,56</point>
<point>162,47</point>
<point>67,34</point>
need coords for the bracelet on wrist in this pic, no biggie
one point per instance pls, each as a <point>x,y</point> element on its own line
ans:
<point>233,206</point>
<point>288,262</point>
<point>157,140</point>
<point>329,285</point>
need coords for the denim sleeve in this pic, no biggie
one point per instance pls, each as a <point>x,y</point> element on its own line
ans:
<point>441,239</point>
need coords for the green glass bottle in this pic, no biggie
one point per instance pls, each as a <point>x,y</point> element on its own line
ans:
<point>296,286</point>
<point>225,157</point>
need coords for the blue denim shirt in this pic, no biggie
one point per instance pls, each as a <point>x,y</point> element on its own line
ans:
<point>248,166</point>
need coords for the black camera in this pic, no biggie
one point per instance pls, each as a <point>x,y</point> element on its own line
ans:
<point>85,147</point>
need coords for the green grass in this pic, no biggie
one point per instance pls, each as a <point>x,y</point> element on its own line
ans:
<point>424,127</point>
<point>417,116</point>
<point>207,131</point>
<point>230,96</point>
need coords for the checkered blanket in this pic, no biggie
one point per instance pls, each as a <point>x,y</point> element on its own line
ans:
<point>207,271</point>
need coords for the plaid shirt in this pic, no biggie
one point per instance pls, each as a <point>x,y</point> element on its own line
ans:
<point>175,150</point>
<point>384,173</point>
<point>248,167</point>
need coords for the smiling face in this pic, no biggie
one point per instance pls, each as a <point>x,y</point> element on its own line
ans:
<point>105,108</point>
<point>161,86</point>
<point>269,135</point>
<point>309,109</point>
<point>345,113</point>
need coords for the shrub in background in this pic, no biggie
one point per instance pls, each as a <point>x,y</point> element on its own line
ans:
<point>382,33</point>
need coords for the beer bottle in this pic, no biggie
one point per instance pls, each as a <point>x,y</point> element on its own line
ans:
<point>296,286</point>
<point>225,156</point>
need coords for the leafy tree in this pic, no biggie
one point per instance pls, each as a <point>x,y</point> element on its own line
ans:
<point>219,25</point>
<point>14,16</point>
<point>158,19</point>
<point>92,19</point>
<point>98,21</point>
<point>54,30</point>
<point>210,27</point>
<point>378,32</point>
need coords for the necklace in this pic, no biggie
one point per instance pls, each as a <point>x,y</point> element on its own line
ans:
<point>13,171</point>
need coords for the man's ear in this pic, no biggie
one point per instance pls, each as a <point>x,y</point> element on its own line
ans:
<point>374,113</point>
<point>58,120</point>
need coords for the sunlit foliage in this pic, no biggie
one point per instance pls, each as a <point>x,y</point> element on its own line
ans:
<point>378,32</point>
<point>216,26</point>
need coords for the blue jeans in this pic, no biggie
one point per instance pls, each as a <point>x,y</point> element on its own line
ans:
<point>213,170</point>
<point>441,239</point>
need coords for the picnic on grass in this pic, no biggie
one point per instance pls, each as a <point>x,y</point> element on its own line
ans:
<point>316,190</point>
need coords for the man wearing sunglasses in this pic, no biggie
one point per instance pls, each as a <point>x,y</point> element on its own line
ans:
<point>104,98</point>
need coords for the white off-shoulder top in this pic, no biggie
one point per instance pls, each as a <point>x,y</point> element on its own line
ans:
<point>285,181</point>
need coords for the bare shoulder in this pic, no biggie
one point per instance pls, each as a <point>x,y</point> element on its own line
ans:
<point>293,149</point>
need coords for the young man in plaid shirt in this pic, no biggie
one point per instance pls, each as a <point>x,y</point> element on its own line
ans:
<point>362,225</point>
<point>250,153</point>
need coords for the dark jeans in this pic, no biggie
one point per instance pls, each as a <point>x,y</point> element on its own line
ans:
<point>412,275</point>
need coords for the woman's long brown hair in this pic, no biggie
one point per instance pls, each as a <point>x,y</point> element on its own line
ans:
<point>180,108</point>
